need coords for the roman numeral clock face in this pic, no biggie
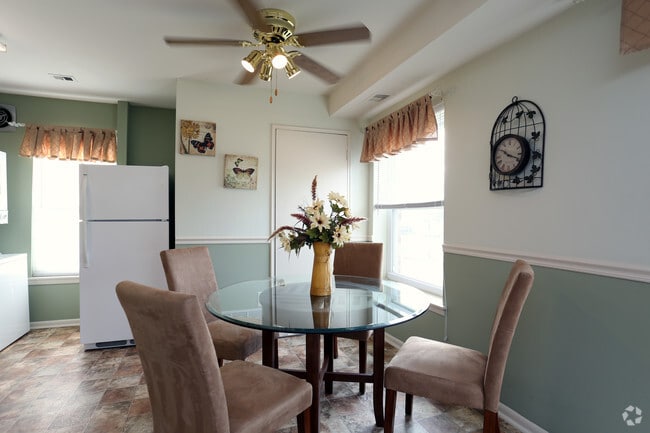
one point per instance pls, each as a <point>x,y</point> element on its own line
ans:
<point>510,154</point>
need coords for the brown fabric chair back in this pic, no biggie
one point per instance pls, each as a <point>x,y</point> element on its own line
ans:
<point>190,270</point>
<point>179,362</point>
<point>359,259</point>
<point>511,302</point>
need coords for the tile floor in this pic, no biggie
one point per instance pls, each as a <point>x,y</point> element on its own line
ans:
<point>49,384</point>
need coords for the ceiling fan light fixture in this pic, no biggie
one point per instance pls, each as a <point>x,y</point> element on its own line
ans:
<point>279,61</point>
<point>278,57</point>
<point>291,69</point>
<point>266,71</point>
<point>251,61</point>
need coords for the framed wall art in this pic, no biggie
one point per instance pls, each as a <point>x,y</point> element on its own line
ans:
<point>198,138</point>
<point>240,172</point>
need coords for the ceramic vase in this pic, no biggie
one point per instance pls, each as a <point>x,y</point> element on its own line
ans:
<point>321,273</point>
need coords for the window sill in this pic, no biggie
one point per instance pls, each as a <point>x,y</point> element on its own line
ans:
<point>49,281</point>
<point>437,304</point>
<point>436,301</point>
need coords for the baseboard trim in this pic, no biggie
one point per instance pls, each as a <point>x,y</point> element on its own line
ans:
<point>54,323</point>
<point>516,420</point>
<point>393,341</point>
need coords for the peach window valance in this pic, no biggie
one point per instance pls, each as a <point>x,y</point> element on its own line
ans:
<point>635,26</point>
<point>69,143</point>
<point>400,130</point>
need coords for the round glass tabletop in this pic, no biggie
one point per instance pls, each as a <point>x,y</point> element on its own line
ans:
<point>283,305</point>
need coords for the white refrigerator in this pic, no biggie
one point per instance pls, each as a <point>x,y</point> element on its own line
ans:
<point>124,224</point>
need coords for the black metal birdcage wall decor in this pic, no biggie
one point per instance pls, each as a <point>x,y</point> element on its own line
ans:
<point>517,147</point>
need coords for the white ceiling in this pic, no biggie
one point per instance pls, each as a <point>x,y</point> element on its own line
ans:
<point>115,50</point>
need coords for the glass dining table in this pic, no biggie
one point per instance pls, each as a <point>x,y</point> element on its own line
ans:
<point>356,304</point>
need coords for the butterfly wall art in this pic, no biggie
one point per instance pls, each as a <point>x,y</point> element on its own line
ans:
<point>198,138</point>
<point>240,172</point>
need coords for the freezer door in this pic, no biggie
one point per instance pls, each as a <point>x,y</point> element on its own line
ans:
<point>113,252</point>
<point>123,192</point>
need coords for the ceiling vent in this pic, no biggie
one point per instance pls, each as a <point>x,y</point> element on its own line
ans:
<point>378,98</point>
<point>61,77</point>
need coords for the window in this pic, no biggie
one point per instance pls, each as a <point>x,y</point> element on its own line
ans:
<point>55,218</point>
<point>410,194</point>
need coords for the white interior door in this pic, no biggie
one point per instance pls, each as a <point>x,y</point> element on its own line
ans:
<point>299,154</point>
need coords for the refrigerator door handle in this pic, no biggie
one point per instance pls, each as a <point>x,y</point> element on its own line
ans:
<point>83,196</point>
<point>83,254</point>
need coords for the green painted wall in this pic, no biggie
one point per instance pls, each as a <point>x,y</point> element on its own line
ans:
<point>234,263</point>
<point>61,301</point>
<point>429,325</point>
<point>580,355</point>
<point>53,302</point>
<point>151,142</point>
<point>151,136</point>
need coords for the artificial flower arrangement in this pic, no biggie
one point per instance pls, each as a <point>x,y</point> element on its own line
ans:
<point>316,225</point>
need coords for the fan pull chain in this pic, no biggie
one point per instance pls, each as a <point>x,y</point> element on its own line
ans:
<point>271,88</point>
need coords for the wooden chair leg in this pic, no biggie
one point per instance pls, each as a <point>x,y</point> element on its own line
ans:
<point>304,421</point>
<point>389,412</point>
<point>363,364</point>
<point>490,422</point>
<point>335,350</point>
<point>408,404</point>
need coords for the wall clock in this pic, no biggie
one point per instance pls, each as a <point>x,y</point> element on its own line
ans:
<point>517,147</point>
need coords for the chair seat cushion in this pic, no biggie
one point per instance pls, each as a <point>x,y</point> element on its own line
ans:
<point>260,398</point>
<point>234,342</point>
<point>440,371</point>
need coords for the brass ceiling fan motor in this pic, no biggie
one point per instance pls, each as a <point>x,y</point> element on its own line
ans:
<point>281,25</point>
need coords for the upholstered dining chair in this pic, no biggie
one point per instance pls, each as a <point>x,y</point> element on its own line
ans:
<point>456,375</point>
<point>359,259</point>
<point>187,390</point>
<point>190,270</point>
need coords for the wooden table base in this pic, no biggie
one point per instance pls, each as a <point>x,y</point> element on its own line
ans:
<point>317,372</point>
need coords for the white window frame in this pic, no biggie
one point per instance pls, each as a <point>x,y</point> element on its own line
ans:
<point>436,290</point>
<point>46,275</point>
<point>390,257</point>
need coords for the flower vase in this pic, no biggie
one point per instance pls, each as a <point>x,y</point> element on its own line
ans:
<point>321,273</point>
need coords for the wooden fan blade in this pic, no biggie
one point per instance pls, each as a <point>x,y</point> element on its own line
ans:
<point>310,65</point>
<point>203,41</point>
<point>334,36</point>
<point>251,13</point>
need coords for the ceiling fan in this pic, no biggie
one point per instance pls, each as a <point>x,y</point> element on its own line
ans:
<point>274,38</point>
